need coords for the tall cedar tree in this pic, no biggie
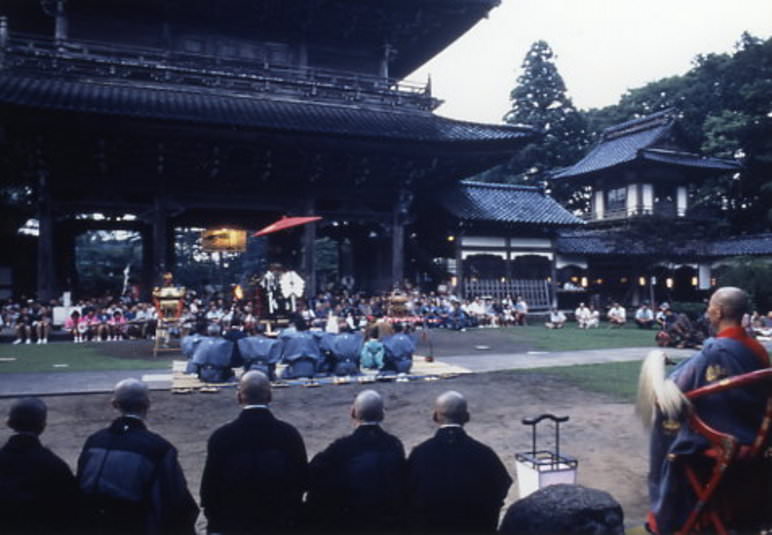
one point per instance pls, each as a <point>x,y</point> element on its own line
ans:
<point>539,99</point>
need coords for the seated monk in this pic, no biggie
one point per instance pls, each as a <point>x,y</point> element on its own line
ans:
<point>737,411</point>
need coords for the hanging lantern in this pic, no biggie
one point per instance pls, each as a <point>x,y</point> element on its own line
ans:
<point>238,292</point>
<point>669,282</point>
<point>695,281</point>
<point>224,239</point>
<point>641,281</point>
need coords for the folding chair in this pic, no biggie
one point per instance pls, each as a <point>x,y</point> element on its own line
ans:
<point>725,459</point>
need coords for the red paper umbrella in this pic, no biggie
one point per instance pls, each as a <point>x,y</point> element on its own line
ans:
<point>285,223</point>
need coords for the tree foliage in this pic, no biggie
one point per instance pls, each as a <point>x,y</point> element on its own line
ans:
<point>724,103</point>
<point>539,99</point>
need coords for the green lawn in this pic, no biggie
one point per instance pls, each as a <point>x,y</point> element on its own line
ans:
<point>570,338</point>
<point>64,357</point>
<point>619,379</point>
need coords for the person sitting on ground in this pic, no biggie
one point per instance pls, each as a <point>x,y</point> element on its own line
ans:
<point>593,318</point>
<point>72,326</point>
<point>102,326</point>
<point>398,351</point>
<point>617,316</point>
<point>300,351</point>
<point>455,483</point>
<point>346,349</point>
<point>38,493</point>
<point>357,483</point>
<point>521,311</point>
<point>130,477</point>
<point>256,468</point>
<point>234,333</point>
<point>582,316</point>
<point>372,352</point>
<point>260,352</point>
<point>117,326</point>
<point>644,317</point>
<point>556,319</point>
<point>23,326</point>
<point>661,315</point>
<point>41,321</point>
<point>91,321</point>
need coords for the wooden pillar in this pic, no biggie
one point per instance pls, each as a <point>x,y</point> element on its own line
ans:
<point>148,274</point>
<point>160,255</point>
<point>60,24</point>
<point>460,290</point>
<point>46,268</point>
<point>397,254</point>
<point>65,240</point>
<point>400,216</point>
<point>3,38</point>
<point>554,276</point>
<point>309,250</point>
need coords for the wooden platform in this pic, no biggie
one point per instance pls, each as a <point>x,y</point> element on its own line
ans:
<point>422,370</point>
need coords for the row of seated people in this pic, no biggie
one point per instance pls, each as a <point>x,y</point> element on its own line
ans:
<point>255,477</point>
<point>305,353</point>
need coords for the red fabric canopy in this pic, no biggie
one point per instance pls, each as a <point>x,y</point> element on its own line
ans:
<point>284,223</point>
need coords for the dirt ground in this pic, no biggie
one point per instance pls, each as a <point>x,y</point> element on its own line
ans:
<point>602,433</point>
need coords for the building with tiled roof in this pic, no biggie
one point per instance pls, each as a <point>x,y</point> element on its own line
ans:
<point>201,114</point>
<point>643,238</point>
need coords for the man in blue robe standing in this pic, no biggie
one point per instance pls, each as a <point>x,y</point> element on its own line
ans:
<point>737,411</point>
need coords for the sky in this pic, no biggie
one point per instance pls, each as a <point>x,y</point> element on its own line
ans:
<point>603,48</point>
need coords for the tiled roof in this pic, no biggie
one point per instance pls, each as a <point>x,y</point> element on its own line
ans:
<point>755,244</point>
<point>688,159</point>
<point>220,107</point>
<point>610,242</point>
<point>505,203</point>
<point>637,140</point>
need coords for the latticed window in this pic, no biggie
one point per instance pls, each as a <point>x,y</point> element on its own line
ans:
<point>616,199</point>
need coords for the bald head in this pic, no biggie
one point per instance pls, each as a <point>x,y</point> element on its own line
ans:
<point>131,397</point>
<point>254,388</point>
<point>450,408</point>
<point>28,415</point>
<point>727,306</point>
<point>368,407</point>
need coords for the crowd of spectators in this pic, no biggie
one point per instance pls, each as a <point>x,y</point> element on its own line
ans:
<point>111,318</point>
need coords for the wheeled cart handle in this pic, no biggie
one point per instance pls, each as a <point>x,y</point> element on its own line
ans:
<point>533,423</point>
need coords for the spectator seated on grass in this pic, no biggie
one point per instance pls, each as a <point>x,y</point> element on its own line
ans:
<point>644,317</point>
<point>582,316</point>
<point>593,321</point>
<point>556,319</point>
<point>617,316</point>
<point>521,311</point>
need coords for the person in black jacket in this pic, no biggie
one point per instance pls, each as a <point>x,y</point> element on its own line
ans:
<point>357,484</point>
<point>38,493</point>
<point>256,468</point>
<point>130,477</point>
<point>455,483</point>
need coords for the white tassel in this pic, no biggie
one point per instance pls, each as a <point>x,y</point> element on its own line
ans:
<point>655,390</point>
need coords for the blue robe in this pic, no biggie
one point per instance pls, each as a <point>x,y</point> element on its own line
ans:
<point>260,353</point>
<point>345,353</point>
<point>398,357</point>
<point>300,353</point>
<point>737,411</point>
